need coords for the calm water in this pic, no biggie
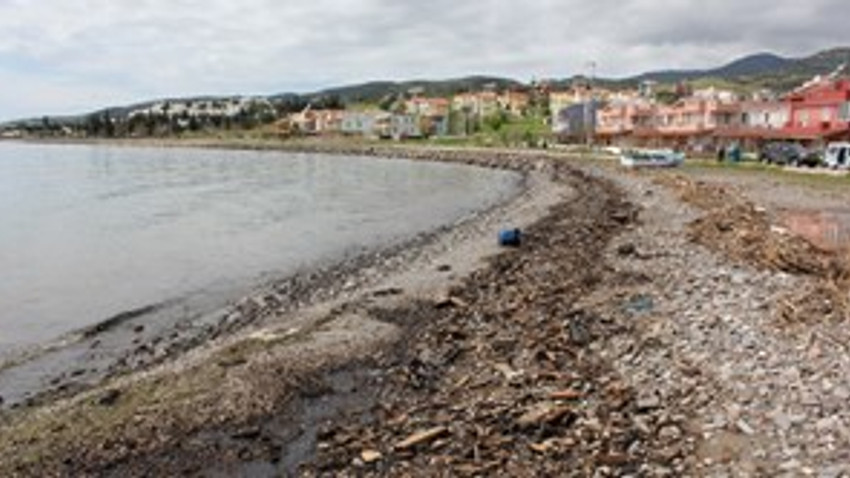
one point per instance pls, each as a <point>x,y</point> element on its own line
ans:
<point>89,232</point>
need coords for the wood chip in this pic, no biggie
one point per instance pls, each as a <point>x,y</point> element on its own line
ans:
<point>370,456</point>
<point>567,394</point>
<point>421,437</point>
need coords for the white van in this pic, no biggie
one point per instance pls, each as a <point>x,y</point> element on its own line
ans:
<point>837,155</point>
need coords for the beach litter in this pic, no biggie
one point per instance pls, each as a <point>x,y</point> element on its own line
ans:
<point>510,237</point>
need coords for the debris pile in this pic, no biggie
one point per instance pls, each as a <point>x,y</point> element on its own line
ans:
<point>502,381</point>
<point>740,230</point>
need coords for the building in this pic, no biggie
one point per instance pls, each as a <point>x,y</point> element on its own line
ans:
<point>752,123</point>
<point>819,111</point>
<point>432,113</point>
<point>397,126</point>
<point>310,121</point>
<point>515,103</point>
<point>422,106</point>
<point>616,123</point>
<point>575,123</point>
<point>482,103</point>
<point>360,123</point>
<point>380,124</point>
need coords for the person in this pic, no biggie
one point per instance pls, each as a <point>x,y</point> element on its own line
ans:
<point>721,154</point>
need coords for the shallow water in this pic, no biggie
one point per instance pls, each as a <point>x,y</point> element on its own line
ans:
<point>89,232</point>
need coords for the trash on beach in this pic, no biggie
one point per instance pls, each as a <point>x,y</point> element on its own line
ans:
<point>639,304</point>
<point>510,237</point>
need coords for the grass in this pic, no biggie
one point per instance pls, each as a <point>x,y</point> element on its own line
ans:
<point>775,173</point>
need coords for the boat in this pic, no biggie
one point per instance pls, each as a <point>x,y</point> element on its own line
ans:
<point>651,158</point>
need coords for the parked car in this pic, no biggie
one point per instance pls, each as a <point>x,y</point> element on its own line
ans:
<point>837,155</point>
<point>789,154</point>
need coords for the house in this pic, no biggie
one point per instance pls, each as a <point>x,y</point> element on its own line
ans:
<point>514,102</point>
<point>397,126</point>
<point>617,121</point>
<point>482,103</point>
<point>360,123</point>
<point>311,121</point>
<point>422,106</point>
<point>690,123</point>
<point>752,123</point>
<point>575,123</point>
<point>380,124</point>
<point>432,114</point>
<point>819,111</point>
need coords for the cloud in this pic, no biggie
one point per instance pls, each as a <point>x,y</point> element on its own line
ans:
<point>59,56</point>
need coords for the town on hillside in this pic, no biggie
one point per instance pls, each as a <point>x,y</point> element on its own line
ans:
<point>653,115</point>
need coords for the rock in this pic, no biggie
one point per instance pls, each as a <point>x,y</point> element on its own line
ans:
<point>744,427</point>
<point>250,433</point>
<point>506,370</point>
<point>139,329</point>
<point>388,292</point>
<point>628,249</point>
<point>370,456</point>
<point>450,301</point>
<point>444,268</point>
<point>109,397</point>
<point>781,420</point>
<point>670,433</point>
<point>648,401</point>
<point>421,437</point>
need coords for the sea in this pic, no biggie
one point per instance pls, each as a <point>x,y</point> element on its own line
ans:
<point>88,232</point>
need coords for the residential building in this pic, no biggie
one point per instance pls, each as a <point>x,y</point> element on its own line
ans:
<point>482,103</point>
<point>432,113</point>
<point>514,102</point>
<point>361,123</point>
<point>819,111</point>
<point>575,123</point>
<point>310,121</point>
<point>422,106</point>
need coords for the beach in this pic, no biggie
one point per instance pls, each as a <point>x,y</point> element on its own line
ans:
<point>655,324</point>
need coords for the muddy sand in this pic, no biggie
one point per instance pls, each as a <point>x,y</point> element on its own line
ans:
<point>651,324</point>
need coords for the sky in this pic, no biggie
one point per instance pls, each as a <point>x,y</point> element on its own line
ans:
<point>73,56</point>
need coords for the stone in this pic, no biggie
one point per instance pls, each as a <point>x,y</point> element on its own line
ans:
<point>670,433</point>
<point>744,427</point>
<point>370,456</point>
<point>109,398</point>
<point>648,401</point>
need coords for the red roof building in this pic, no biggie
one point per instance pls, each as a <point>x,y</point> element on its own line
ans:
<point>819,111</point>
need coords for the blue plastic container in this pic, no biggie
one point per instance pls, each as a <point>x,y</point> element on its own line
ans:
<point>510,237</point>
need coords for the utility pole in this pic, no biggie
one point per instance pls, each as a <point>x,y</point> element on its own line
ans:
<point>589,103</point>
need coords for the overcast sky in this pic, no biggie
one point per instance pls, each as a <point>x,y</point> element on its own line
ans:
<point>71,56</point>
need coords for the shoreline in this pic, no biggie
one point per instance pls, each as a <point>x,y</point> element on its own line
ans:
<point>334,286</point>
<point>320,283</point>
<point>654,323</point>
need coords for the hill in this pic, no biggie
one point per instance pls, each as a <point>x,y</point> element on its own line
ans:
<point>375,91</point>
<point>762,70</point>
